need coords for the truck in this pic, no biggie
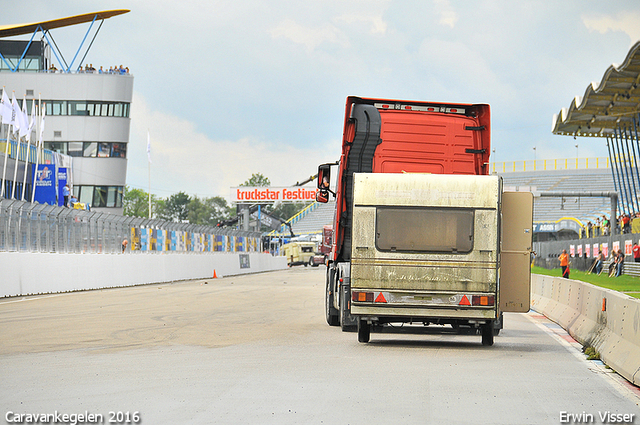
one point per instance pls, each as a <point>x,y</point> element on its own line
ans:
<point>422,234</point>
<point>298,253</point>
<point>324,247</point>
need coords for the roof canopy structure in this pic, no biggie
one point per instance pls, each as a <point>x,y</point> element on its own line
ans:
<point>605,106</point>
<point>611,110</point>
<point>21,29</point>
<point>47,26</point>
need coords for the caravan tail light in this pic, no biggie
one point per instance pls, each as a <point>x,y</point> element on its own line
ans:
<point>357,296</point>
<point>483,300</point>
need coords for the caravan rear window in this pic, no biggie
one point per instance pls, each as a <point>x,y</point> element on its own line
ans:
<point>411,229</point>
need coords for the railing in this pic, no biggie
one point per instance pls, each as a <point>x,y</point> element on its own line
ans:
<point>299,216</point>
<point>548,165</point>
<point>33,227</point>
<point>47,155</point>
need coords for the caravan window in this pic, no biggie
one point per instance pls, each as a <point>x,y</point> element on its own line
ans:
<point>410,229</point>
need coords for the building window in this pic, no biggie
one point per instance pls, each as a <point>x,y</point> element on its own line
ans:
<point>118,150</point>
<point>100,196</point>
<point>104,150</point>
<point>89,149</point>
<point>89,108</point>
<point>74,149</point>
<point>60,147</point>
<point>85,194</point>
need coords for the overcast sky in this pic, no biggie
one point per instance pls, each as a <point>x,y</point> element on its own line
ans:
<point>231,88</point>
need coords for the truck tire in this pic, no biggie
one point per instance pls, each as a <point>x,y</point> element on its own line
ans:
<point>487,334</point>
<point>364,331</point>
<point>331,312</point>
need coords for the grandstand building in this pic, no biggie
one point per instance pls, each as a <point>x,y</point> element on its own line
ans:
<point>87,113</point>
<point>554,218</point>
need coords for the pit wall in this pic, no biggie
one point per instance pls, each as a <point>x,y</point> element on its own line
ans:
<point>43,273</point>
<point>596,317</point>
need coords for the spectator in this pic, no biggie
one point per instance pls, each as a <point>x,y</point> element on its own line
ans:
<point>599,262</point>
<point>65,193</point>
<point>564,263</point>
<point>626,228</point>
<point>605,226</point>
<point>619,263</point>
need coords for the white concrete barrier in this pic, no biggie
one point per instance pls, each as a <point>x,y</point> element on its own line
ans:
<point>601,318</point>
<point>41,273</point>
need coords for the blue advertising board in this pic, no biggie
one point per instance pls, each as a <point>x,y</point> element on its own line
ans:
<point>62,182</point>
<point>45,184</point>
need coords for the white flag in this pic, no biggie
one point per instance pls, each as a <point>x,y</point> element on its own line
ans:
<point>42,125</point>
<point>23,117</point>
<point>5,108</point>
<point>15,110</point>
<point>149,147</point>
<point>32,121</point>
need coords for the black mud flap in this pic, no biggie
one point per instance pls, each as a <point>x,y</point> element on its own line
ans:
<point>348,323</point>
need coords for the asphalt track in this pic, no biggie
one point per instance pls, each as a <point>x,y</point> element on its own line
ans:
<point>255,349</point>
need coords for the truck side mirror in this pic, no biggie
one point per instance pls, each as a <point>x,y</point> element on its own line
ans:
<point>324,176</point>
<point>324,181</point>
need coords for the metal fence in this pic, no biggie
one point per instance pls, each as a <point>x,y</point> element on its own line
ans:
<point>33,227</point>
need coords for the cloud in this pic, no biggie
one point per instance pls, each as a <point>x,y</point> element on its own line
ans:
<point>627,22</point>
<point>377,24</point>
<point>448,16</point>
<point>311,38</point>
<point>185,159</point>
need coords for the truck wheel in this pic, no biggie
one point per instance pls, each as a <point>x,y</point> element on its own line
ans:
<point>330,311</point>
<point>364,331</point>
<point>487,334</point>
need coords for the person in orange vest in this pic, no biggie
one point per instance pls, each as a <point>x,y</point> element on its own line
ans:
<point>564,263</point>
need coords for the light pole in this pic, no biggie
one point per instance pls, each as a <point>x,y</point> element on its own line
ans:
<point>577,156</point>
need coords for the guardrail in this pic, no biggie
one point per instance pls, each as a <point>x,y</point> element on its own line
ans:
<point>33,227</point>
<point>595,317</point>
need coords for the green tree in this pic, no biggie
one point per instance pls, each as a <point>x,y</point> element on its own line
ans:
<point>136,202</point>
<point>257,180</point>
<point>175,208</point>
<point>209,211</point>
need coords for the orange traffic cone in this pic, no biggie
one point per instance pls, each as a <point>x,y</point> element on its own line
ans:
<point>214,274</point>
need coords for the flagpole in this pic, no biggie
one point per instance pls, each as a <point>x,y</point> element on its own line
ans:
<point>6,158</point>
<point>40,130</point>
<point>149,190</point>
<point>26,161</point>
<point>149,159</point>
<point>15,169</point>
<point>18,146</point>
<point>5,101</point>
